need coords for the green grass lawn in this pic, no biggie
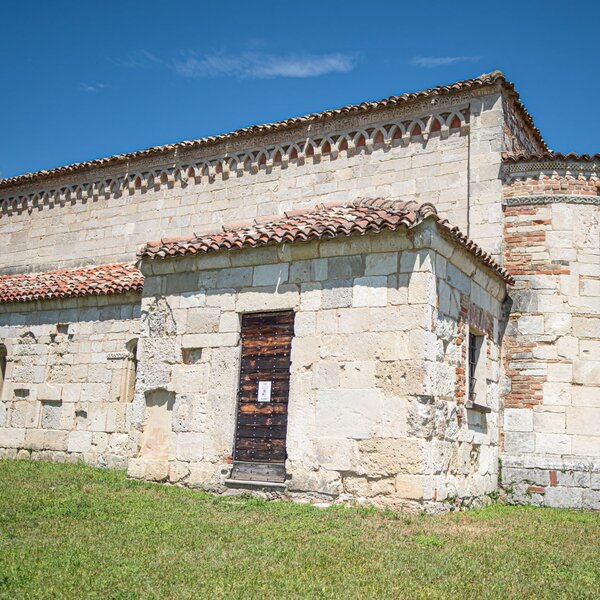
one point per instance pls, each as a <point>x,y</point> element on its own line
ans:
<point>70,531</point>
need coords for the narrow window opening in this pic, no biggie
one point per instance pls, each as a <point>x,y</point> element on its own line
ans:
<point>474,348</point>
<point>2,366</point>
<point>476,372</point>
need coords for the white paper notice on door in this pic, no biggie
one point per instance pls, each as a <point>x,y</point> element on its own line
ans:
<point>264,391</point>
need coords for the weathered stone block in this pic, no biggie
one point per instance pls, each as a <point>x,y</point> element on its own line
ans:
<point>584,445</point>
<point>55,440</point>
<point>357,375</point>
<point>583,420</point>
<point>557,394</point>
<point>210,340</point>
<point>560,372</point>
<point>201,475</point>
<point>370,291</point>
<point>518,442</point>
<point>191,299</point>
<point>234,278</point>
<point>270,274</point>
<point>326,375</point>
<point>530,325</point>
<point>563,497</point>
<point>79,441</point>
<point>547,421</point>
<point>381,263</point>
<point>552,443</point>
<point>336,294</point>
<point>381,457</point>
<point>413,487</point>
<point>591,499</point>
<point>518,419</point>
<point>337,454</point>
<point>156,470</point>
<point>203,320</point>
<point>345,267</point>
<point>189,447</point>
<point>347,413</point>
<point>585,327</point>
<point>586,372</point>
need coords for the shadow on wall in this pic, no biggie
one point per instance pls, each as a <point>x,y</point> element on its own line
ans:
<point>50,312</point>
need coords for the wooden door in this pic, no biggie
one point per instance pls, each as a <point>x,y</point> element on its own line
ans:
<point>260,449</point>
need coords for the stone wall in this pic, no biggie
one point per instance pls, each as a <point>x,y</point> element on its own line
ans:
<point>518,137</point>
<point>69,379</point>
<point>373,412</point>
<point>552,347</point>
<point>447,152</point>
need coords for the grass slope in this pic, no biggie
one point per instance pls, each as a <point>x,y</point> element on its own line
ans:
<point>71,531</point>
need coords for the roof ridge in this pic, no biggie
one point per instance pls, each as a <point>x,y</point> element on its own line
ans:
<point>356,217</point>
<point>482,80</point>
<point>422,211</point>
<point>115,278</point>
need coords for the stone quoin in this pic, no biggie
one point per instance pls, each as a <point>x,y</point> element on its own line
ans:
<point>394,303</point>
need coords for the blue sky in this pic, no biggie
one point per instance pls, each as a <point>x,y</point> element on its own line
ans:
<point>84,79</point>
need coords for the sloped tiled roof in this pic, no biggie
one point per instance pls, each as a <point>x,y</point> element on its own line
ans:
<point>485,79</point>
<point>549,157</point>
<point>324,221</point>
<point>64,283</point>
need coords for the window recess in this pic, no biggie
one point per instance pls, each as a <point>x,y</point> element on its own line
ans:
<point>476,373</point>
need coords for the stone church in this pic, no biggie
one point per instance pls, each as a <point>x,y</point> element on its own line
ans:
<point>394,303</point>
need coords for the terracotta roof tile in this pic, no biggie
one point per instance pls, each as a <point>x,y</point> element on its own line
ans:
<point>492,78</point>
<point>64,283</point>
<point>324,221</point>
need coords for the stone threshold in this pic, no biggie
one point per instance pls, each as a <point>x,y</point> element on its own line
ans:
<point>254,483</point>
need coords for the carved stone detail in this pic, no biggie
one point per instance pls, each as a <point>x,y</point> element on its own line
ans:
<point>526,200</point>
<point>528,167</point>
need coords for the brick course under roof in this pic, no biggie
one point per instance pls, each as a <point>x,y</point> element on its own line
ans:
<point>64,283</point>
<point>325,221</point>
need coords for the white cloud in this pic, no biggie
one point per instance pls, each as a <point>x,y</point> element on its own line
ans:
<point>139,59</point>
<point>429,62</point>
<point>92,88</point>
<point>258,65</point>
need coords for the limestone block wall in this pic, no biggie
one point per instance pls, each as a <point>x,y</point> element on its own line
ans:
<point>374,413</point>
<point>446,151</point>
<point>69,379</point>
<point>552,347</point>
<point>464,456</point>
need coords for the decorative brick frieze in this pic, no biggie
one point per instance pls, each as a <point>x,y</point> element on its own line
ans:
<point>206,170</point>
<point>532,200</point>
<point>438,98</point>
<point>551,166</point>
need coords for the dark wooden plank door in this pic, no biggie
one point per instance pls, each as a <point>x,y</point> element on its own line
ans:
<point>263,395</point>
